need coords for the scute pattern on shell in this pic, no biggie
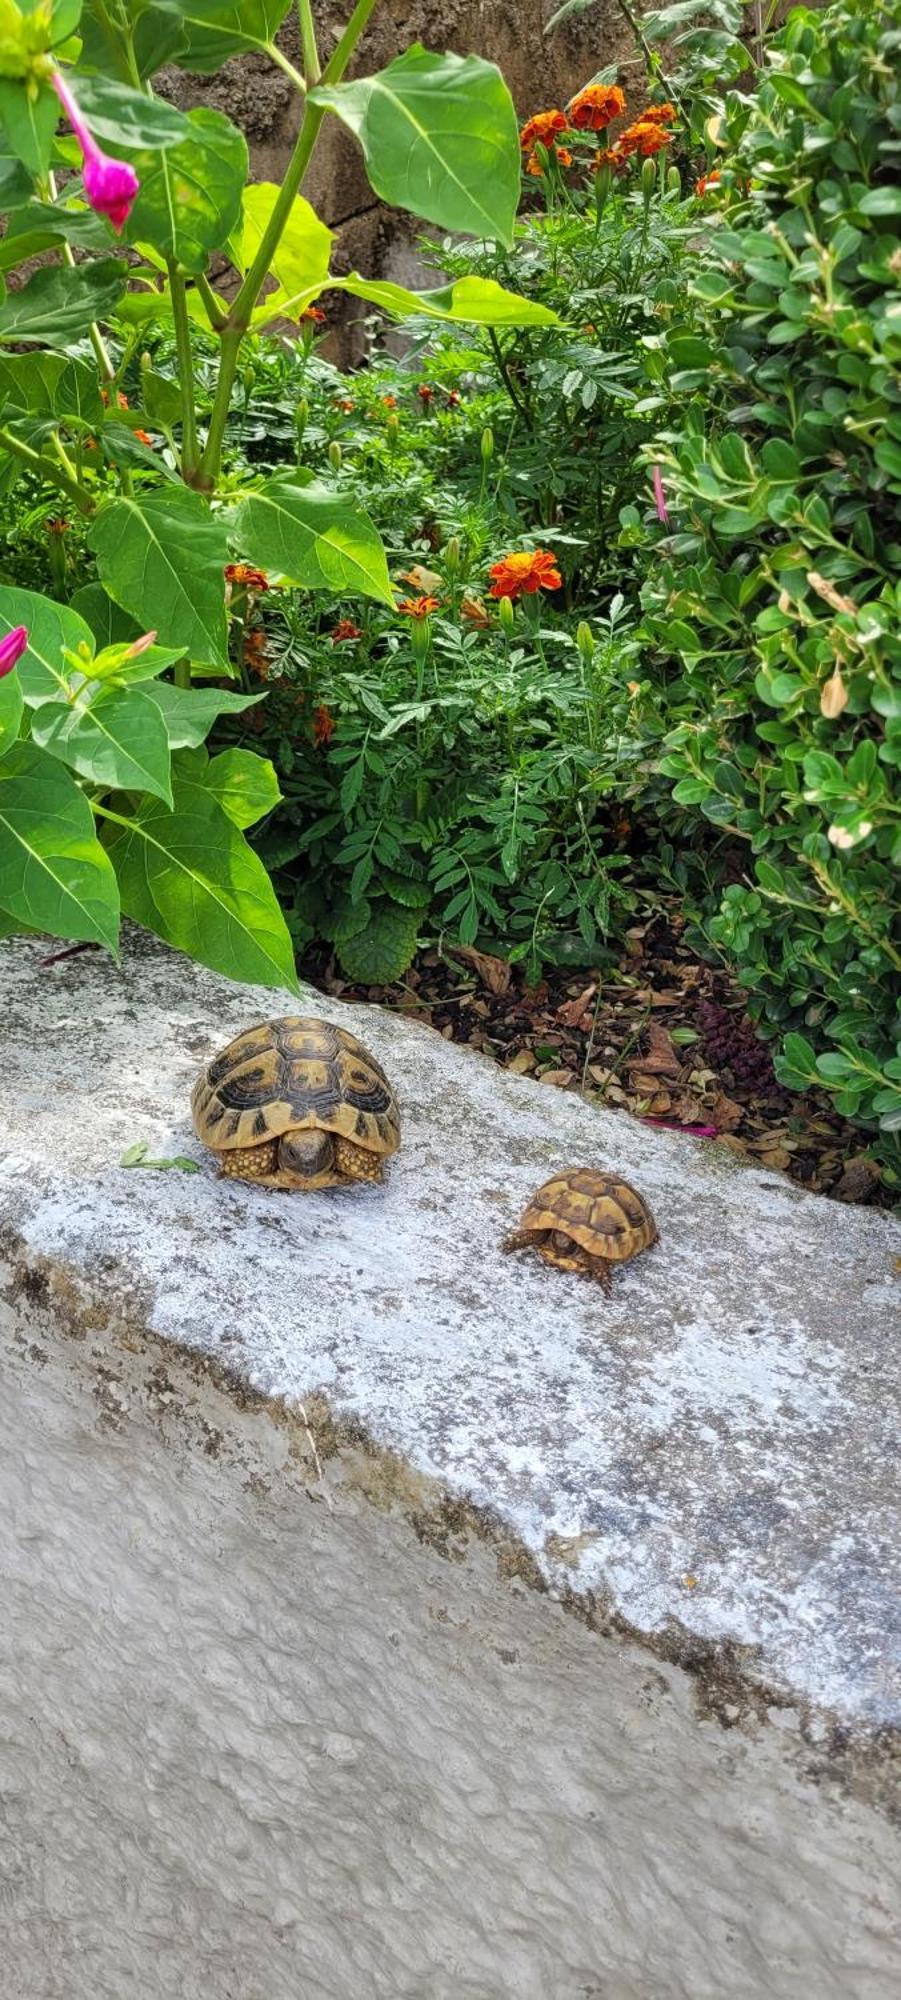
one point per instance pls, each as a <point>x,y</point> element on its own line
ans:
<point>602,1213</point>
<point>294,1075</point>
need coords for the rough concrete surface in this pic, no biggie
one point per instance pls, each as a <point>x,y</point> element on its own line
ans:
<point>259,1742</point>
<point>711,1457</point>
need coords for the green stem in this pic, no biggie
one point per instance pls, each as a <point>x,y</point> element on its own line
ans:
<point>98,343</point>
<point>185,355</point>
<point>278,56</point>
<point>216,309</point>
<point>240,315</point>
<point>311,68</point>
<point>36,462</point>
<point>507,378</point>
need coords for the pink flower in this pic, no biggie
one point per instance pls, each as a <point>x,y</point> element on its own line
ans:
<point>110,185</point>
<point>660,497</point>
<point>12,648</point>
<point>141,645</point>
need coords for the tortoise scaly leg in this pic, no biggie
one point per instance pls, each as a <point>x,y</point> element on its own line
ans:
<point>356,1163</point>
<point>250,1163</point>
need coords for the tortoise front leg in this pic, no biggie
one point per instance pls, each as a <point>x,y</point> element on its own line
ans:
<point>250,1163</point>
<point>356,1163</point>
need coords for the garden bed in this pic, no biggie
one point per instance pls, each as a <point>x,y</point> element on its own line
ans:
<point>660,1034</point>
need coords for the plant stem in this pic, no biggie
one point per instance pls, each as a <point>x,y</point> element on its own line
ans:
<point>36,462</point>
<point>506,377</point>
<point>185,355</point>
<point>216,309</point>
<point>239,317</point>
<point>281,61</point>
<point>311,67</point>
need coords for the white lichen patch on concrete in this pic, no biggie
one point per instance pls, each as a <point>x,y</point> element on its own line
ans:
<point>716,1445</point>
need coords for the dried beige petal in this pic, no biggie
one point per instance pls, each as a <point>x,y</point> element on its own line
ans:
<point>833,696</point>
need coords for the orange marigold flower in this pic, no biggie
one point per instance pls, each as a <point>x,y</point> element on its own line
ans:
<point>323,725</point>
<point>345,629</point>
<point>563,156</point>
<point>418,607</point>
<point>610,156</point>
<point>659,114</point>
<point>453,398</point>
<point>390,402</point>
<point>57,526</point>
<point>706,181</point>
<point>243,576</point>
<point>314,313</point>
<point>644,137</point>
<point>596,106</point>
<point>541,129</point>
<point>144,437</point>
<point>424,393</point>
<point>346,403</point>
<point>525,572</point>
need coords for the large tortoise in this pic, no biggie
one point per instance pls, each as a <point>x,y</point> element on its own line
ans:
<point>297,1103</point>
<point>586,1221</point>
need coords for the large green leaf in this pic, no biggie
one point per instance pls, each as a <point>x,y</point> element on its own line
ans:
<point>39,224</point>
<point>11,706</point>
<point>190,196</point>
<point>54,874</point>
<point>190,876</point>
<point>28,122</point>
<point>302,257</point>
<point>57,304</point>
<point>49,385</point>
<point>312,537</point>
<point>162,556</point>
<point>189,713</point>
<point>157,36</point>
<point>129,120</point>
<point>113,736</point>
<point>217,29</point>
<point>439,136</point>
<point>245,785</point>
<point>468,301</point>
<point>16,184</point>
<point>43,672</point>
<point>108,622</point>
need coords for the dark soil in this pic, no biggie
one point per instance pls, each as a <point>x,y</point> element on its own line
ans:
<point>661,1035</point>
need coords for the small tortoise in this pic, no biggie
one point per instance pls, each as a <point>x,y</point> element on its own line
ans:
<point>297,1103</point>
<point>585,1221</point>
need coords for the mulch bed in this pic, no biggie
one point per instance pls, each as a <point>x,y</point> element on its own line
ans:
<point>661,1035</point>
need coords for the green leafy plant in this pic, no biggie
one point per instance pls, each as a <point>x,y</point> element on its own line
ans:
<point>108,801</point>
<point>773,596</point>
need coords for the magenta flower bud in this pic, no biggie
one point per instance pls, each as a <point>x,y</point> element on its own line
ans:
<point>110,185</point>
<point>660,497</point>
<point>12,648</point>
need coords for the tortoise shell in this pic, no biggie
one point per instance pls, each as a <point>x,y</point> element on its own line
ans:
<point>294,1075</point>
<point>599,1211</point>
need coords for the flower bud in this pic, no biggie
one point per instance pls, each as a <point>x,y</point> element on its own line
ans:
<point>421,638</point>
<point>648,180</point>
<point>392,427</point>
<point>11,648</point>
<point>335,455</point>
<point>301,414</point>
<point>452,557</point>
<point>507,614</point>
<point>585,643</point>
<point>487,446</point>
<point>602,185</point>
<point>673,181</point>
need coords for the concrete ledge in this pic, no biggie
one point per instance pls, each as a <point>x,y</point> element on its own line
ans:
<point>711,1458</point>
<point>387,1617</point>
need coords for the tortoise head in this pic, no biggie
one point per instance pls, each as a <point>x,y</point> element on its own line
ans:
<point>308,1159</point>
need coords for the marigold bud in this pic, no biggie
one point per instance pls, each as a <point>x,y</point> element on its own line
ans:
<point>648,180</point>
<point>335,455</point>
<point>585,643</point>
<point>507,614</point>
<point>487,446</point>
<point>453,556</point>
